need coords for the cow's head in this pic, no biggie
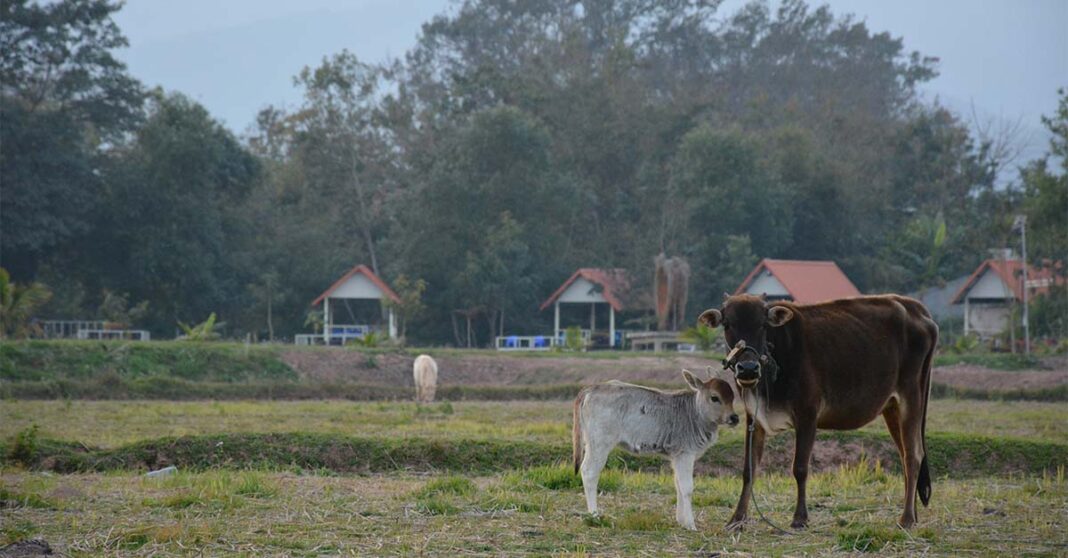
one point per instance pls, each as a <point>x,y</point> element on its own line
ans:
<point>715,399</point>
<point>745,319</point>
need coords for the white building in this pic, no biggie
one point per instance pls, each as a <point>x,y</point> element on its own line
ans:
<point>346,314</point>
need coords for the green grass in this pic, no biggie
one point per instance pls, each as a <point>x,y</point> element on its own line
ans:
<point>29,361</point>
<point>401,514</point>
<point>112,423</point>
<point>995,361</point>
<point>964,455</point>
<point>869,539</point>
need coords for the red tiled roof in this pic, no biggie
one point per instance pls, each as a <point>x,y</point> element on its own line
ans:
<point>1010,272</point>
<point>614,283</point>
<point>806,281</point>
<point>366,271</point>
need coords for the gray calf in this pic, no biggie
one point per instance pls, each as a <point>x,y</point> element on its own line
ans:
<point>679,424</point>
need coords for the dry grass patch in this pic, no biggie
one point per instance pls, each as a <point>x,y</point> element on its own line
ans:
<point>852,510</point>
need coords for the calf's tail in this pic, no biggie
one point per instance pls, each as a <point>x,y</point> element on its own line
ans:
<point>923,484</point>
<point>576,433</point>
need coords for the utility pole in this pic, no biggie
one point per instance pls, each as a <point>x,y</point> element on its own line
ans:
<point>1021,223</point>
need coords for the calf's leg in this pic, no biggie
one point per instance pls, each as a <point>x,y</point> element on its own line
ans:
<point>749,468</point>
<point>806,438</point>
<point>683,467</point>
<point>596,455</point>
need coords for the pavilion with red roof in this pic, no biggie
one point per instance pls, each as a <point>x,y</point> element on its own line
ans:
<point>800,281</point>
<point>358,284</point>
<point>591,286</point>
<point>993,288</point>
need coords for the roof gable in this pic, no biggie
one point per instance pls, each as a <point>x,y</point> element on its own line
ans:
<point>365,272</point>
<point>1009,272</point>
<point>806,282</point>
<point>612,282</point>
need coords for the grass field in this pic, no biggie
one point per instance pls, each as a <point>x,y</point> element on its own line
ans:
<point>429,508</point>
<point>335,477</point>
<point>112,423</point>
<point>533,512</point>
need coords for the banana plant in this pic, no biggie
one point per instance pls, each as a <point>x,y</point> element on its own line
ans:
<point>204,331</point>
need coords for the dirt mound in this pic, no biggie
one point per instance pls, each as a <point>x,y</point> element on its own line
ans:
<point>339,365</point>
<point>967,376</point>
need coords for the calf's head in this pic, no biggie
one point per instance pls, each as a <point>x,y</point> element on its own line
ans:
<point>745,319</point>
<point>715,399</point>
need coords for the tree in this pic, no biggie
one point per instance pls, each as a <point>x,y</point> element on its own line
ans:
<point>342,147</point>
<point>1045,193</point>
<point>17,306</point>
<point>411,305</point>
<point>115,308</point>
<point>266,293</point>
<point>170,223</point>
<point>63,95</point>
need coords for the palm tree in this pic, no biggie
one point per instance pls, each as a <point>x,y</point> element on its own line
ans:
<point>17,305</point>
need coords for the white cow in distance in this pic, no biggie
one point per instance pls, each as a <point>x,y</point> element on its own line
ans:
<point>425,372</point>
<point>678,424</point>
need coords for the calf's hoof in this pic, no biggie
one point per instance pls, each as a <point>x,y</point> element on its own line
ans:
<point>906,522</point>
<point>799,523</point>
<point>691,526</point>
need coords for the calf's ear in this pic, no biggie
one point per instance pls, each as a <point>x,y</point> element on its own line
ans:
<point>695,384</point>
<point>779,315</point>
<point>711,318</point>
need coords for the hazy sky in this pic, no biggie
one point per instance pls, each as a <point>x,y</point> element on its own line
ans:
<point>1004,57</point>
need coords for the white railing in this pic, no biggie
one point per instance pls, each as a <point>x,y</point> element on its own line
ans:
<point>67,329</point>
<point>524,342</point>
<point>106,334</point>
<point>339,334</point>
<point>537,342</point>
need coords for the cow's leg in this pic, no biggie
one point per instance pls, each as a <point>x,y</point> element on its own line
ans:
<point>892,416</point>
<point>683,467</point>
<point>750,464</point>
<point>912,440</point>
<point>806,438</point>
<point>593,461</point>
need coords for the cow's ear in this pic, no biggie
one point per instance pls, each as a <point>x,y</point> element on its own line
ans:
<point>779,315</point>
<point>695,384</point>
<point>711,318</point>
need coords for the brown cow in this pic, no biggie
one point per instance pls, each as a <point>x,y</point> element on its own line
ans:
<point>835,365</point>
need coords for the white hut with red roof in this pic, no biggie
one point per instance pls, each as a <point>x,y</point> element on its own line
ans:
<point>358,284</point>
<point>994,288</point>
<point>593,286</point>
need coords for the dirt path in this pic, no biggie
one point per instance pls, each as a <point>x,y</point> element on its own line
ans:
<point>342,365</point>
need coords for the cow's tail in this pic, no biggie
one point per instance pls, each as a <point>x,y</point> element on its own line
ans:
<point>576,432</point>
<point>923,484</point>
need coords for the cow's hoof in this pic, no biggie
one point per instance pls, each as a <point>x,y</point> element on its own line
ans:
<point>799,523</point>
<point>736,526</point>
<point>906,522</point>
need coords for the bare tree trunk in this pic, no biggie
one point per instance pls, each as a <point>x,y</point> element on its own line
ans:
<point>455,329</point>
<point>365,212</point>
<point>270,320</point>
